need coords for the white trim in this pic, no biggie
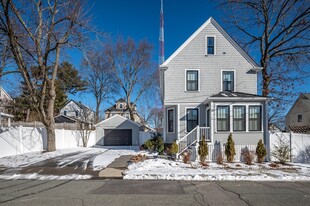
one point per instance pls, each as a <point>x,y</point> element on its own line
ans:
<point>237,105</point>
<point>187,42</point>
<point>178,122</point>
<point>206,45</point>
<point>198,108</point>
<point>247,105</point>
<point>235,78</point>
<point>223,32</point>
<point>167,121</point>
<point>173,103</point>
<point>198,70</point>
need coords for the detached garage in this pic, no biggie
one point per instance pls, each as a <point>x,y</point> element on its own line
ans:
<point>117,131</point>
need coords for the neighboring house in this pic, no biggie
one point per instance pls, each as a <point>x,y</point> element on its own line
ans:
<point>209,88</point>
<point>117,131</point>
<point>5,101</point>
<point>77,111</point>
<point>298,117</point>
<point>120,108</point>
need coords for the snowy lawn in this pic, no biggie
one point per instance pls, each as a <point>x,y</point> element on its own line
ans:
<point>170,170</point>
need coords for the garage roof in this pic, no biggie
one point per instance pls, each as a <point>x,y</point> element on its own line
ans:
<point>117,117</point>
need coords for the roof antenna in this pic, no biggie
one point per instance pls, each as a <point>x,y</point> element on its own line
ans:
<point>161,35</point>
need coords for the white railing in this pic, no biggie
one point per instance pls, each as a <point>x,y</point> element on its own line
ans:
<point>193,137</point>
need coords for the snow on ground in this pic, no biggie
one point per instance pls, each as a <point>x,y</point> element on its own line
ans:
<point>170,170</point>
<point>103,160</point>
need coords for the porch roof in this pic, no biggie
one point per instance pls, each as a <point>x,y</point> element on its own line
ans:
<point>235,96</point>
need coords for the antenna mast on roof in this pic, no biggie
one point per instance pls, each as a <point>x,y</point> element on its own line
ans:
<point>161,35</point>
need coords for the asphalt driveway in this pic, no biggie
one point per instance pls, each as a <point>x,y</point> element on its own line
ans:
<point>77,162</point>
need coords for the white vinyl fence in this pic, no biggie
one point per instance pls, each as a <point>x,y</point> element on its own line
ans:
<point>299,145</point>
<point>19,140</point>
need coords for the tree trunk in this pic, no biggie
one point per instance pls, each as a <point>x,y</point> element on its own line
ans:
<point>50,126</point>
<point>50,131</point>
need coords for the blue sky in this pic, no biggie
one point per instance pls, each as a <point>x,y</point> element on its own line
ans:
<point>139,19</point>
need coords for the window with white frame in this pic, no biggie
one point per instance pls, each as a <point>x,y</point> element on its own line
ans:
<point>191,119</point>
<point>170,122</point>
<point>192,80</point>
<point>239,118</point>
<point>255,118</point>
<point>223,118</point>
<point>228,81</point>
<point>210,45</point>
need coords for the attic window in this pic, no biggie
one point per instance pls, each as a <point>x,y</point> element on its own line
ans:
<point>299,118</point>
<point>121,106</point>
<point>210,45</point>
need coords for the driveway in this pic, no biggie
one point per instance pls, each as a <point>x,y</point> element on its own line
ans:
<point>87,162</point>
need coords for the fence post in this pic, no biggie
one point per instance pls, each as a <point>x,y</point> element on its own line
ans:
<point>21,139</point>
<point>290,146</point>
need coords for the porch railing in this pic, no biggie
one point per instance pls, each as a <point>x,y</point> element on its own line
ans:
<point>193,137</point>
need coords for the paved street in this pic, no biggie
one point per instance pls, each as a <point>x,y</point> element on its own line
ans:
<point>125,192</point>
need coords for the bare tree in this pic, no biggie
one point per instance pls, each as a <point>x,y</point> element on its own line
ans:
<point>85,126</point>
<point>37,33</point>
<point>133,67</point>
<point>100,77</point>
<point>277,33</point>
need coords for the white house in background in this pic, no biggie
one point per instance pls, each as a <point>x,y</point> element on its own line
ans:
<point>120,108</point>
<point>209,88</point>
<point>78,111</point>
<point>5,100</point>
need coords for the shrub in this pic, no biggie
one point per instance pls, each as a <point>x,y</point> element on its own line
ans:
<point>248,156</point>
<point>186,156</point>
<point>155,144</point>
<point>261,151</point>
<point>203,150</point>
<point>174,148</point>
<point>219,158</point>
<point>281,151</point>
<point>230,149</point>
<point>149,145</point>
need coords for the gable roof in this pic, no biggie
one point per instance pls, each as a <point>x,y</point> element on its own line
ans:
<point>6,94</point>
<point>304,99</point>
<point>79,104</point>
<point>117,116</point>
<point>223,32</point>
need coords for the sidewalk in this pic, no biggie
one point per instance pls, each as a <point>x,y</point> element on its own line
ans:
<point>116,168</point>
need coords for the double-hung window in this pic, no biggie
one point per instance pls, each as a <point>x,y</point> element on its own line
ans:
<point>191,119</point>
<point>223,118</point>
<point>255,118</point>
<point>192,80</point>
<point>170,120</point>
<point>239,118</point>
<point>210,45</point>
<point>228,81</point>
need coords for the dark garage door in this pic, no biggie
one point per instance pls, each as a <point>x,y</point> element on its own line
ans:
<point>117,137</point>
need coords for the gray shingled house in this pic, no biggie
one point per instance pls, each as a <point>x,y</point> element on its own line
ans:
<point>209,88</point>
